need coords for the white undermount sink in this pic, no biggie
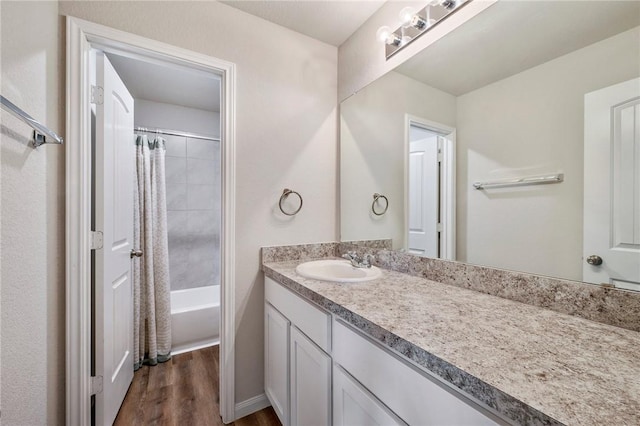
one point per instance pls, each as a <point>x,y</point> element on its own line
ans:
<point>336,270</point>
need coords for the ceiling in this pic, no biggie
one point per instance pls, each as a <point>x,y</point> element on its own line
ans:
<point>512,36</point>
<point>168,83</point>
<point>332,22</point>
<point>329,21</point>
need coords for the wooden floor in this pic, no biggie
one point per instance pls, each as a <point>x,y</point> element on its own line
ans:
<point>182,391</point>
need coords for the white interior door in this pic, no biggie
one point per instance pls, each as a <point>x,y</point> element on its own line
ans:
<point>612,186</point>
<point>424,195</point>
<point>114,168</point>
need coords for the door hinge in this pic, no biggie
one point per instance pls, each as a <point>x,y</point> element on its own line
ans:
<point>96,385</point>
<point>97,95</point>
<point>440,155</point>
<point>95,240</point>
<point>439,227</point>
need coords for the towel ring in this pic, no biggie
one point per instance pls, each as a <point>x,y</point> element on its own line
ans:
<point>284,196</point>
<point>376,197</point>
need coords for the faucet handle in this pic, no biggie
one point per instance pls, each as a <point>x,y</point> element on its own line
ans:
<point>368,259</point>
<point>358,261</point>
<point>350,255</point>
<point>353,257</point>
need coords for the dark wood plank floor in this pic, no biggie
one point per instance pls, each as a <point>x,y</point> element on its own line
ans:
<point>182,391</point>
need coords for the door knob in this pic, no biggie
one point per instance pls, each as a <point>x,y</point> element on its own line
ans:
<point>136,253</point>
<point>594,260</point>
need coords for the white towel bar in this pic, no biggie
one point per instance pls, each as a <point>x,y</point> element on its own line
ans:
<point>41,133</point>
<point>531,180</point>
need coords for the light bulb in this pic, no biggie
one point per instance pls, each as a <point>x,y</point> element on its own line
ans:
<point>406,15</point>
<point>387,36</point>
<point>383,34</point>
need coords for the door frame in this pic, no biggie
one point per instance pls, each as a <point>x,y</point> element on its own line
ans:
<point>447,182</point>
<point>81,37</point>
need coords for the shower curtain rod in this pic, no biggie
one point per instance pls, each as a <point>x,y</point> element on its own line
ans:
<point>175,133</point>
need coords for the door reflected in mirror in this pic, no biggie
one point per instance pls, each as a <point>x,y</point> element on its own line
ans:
<point>430,167</point>
<point>516,100</point>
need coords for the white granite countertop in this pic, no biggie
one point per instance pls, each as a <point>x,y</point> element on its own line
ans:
<point>533,365</point>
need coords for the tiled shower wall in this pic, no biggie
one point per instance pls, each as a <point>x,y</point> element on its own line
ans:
<point>193,211</point>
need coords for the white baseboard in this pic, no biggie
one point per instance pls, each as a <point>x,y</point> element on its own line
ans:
<point>252,405</point>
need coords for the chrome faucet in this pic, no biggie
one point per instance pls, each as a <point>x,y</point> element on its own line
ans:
<point>359,261</point>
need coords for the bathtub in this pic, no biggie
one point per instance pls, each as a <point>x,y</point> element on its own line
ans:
<point>195,318</point>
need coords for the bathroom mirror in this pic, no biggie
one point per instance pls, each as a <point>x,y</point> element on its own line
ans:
<point>515,97</point>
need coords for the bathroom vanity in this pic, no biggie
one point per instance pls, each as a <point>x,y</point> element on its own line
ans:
<point>371,385</point>
<point>403,349</point>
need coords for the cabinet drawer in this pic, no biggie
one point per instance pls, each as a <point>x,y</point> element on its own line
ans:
<point>312,321</point>
<point>411,393</point>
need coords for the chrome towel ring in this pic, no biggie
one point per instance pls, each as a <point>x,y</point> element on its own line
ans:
<point>284,196</point>
<point>376,198</point>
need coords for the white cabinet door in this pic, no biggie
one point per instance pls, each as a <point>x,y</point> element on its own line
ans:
<point>310,382</point>
<point>276,361</point>
<point>353,405</point>
<point>114,168</point>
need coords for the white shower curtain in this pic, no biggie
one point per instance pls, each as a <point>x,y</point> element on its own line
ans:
<point>152,311</point>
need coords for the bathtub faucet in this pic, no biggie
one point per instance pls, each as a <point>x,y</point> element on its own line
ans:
<point>359,261</point>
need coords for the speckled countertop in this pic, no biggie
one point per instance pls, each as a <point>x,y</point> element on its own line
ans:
<point>532,365</point>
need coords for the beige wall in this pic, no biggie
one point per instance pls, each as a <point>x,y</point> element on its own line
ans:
<point>372,126</point>
<point>32,224</point>
<point>531,123</point>
<point>361,59</point>
<point>286,137</point>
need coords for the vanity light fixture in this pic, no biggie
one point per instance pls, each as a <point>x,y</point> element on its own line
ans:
<point>414,24</point>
